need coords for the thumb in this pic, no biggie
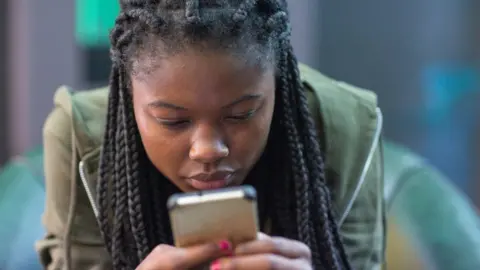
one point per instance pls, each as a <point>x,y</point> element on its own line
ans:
<point>262,236</point>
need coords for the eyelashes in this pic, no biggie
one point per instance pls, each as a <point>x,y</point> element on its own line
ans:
<point>243,116</point>
<point>183,123</point>
<point>173,124</point>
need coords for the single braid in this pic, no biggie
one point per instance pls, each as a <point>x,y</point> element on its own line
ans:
<point>108,154</point>
<point>106,163</point>
<point>120,189</point>
<point>133,179</point>
<point>132,193</point>
<point>317,164</point>
<point>299,168</point>
<point>321,218</point>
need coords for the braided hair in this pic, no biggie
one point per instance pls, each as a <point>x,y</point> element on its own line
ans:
<point>132,193</point>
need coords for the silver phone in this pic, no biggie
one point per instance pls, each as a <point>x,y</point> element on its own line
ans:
<point>214,215</point>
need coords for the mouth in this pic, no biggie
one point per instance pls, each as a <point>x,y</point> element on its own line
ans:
<point>207,181</point>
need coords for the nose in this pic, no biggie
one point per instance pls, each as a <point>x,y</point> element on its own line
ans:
<point>208,148</point>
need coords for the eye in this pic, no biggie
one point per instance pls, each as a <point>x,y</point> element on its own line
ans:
<point>173,124</point>
<point>242,116</point>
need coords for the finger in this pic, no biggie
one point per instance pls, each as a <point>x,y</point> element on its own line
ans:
<point>169,257</point>
<point>275,245</point>
<point>151,262</point>
<point>259,262</point>
<point>262,236</point>
<point>196,255</point>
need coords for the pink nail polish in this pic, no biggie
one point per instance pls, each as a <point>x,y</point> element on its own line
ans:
<point>225,245</point>
<point>215,265</point>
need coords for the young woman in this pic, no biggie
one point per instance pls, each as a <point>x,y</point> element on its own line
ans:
<point>207,94</point>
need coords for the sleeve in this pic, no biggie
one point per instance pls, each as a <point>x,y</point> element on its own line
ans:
<point>420,205</point>
<point>363,230</point>
<point>85,246</point>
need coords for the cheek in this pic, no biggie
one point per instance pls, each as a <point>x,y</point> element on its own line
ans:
<point>247,143</point>
<point>165,151</point>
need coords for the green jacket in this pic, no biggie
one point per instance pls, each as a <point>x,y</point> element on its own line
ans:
<point>73,133</point>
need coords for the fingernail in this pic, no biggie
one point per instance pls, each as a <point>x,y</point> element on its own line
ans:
<point>215,265</point>
<point>225,245</point>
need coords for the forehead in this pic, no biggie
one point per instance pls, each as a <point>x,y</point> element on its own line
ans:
<point>192,76</point>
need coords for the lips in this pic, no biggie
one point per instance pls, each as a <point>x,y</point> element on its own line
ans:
<point>206,181</point>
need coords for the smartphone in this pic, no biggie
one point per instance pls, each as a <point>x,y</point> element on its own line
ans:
<point>214,215</point>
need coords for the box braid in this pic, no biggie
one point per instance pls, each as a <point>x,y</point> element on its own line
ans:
<point>132,193</point>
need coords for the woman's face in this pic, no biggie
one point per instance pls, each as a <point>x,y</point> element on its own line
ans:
<point>204,118</point>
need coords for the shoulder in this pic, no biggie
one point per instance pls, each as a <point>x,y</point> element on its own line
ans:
<point>328,91</point>
<point>80,115</point>
<point>345,111</point>
<point>351,125</point>
<point>72,129</point>
<point>73,134</point>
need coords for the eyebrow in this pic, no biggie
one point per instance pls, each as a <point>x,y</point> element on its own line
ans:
<point>243,99</point>
<point>162,104</point>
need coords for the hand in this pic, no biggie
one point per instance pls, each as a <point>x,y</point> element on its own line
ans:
<point>267,253</point>
<point>165,257</point>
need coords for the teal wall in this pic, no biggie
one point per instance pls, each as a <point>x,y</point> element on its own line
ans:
<point>93,21</point>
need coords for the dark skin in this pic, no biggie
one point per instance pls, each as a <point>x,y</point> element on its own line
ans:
<point>200,113</point>
<point>205,112</point>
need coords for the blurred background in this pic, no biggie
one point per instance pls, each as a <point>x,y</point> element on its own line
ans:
<point>420,56</point>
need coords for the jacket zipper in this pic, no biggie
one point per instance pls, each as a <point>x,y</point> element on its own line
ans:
<point>81,170</point>
<point>366,166</point>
